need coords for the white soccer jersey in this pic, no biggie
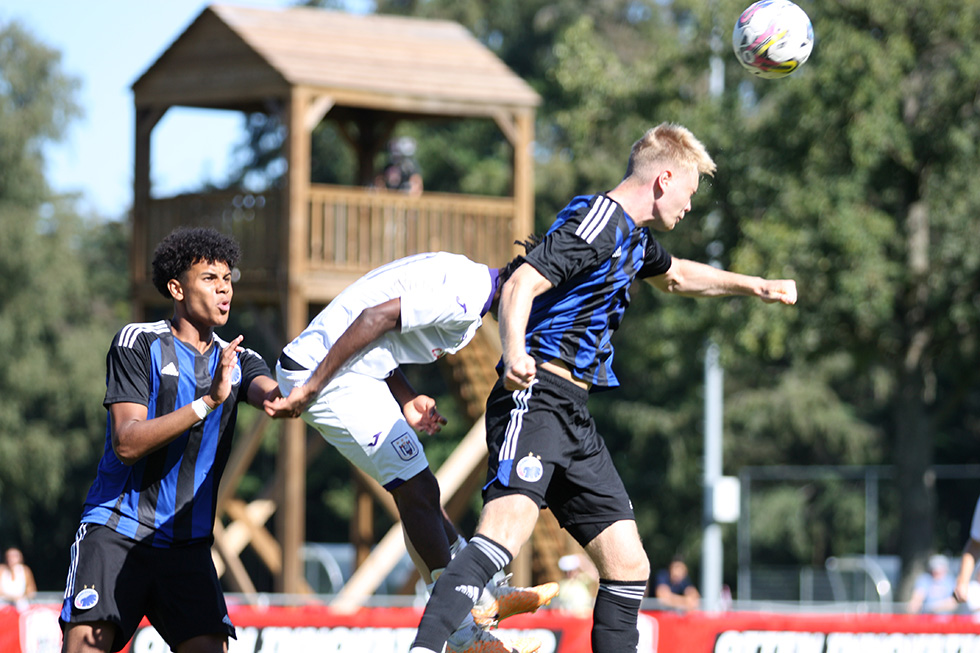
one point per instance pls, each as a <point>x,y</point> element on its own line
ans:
<point>442,299</point>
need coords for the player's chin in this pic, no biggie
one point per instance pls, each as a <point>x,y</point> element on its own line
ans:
<point>220,317</point>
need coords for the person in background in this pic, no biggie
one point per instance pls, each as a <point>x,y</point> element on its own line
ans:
<point>578,586</point>
<point>17,585</point>
<point>673,587</point>
<point>401,172</point>
<point>933,591</point>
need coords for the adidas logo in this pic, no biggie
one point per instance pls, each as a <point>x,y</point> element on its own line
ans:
<point>170,370</point>
<point>618,252</point>
<point>471,592</point>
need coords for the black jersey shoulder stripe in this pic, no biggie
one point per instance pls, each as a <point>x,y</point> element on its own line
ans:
<point>596,219</point>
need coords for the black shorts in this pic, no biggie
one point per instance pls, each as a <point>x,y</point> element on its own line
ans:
<point>116,579</point>
<point>544,445</point>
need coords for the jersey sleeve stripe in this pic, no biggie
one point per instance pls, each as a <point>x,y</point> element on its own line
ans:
<point>130,332</point>
<point>596,219</point>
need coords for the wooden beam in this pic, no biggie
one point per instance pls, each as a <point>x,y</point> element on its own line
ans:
<point>318,108</point>
<point>248,523</point>
<point>146,120</point>
<point>523,179</point>
<point>380,494</point>
<point>292,457</point>
<point>362,523</point>
<point>242,455</point>
<point>228,558</point>
<point>506,123</point>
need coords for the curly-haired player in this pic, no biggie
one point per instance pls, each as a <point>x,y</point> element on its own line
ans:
<point>172,393</point>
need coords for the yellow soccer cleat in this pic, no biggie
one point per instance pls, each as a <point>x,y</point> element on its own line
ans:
<point>472,639</point>
<point>509,601</point>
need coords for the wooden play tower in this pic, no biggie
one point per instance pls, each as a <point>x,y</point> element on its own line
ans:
<point>305,242</point>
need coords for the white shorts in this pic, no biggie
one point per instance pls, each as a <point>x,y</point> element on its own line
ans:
<point>359,416</point>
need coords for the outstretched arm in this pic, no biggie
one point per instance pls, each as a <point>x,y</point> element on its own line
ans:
<point>694,279</point>
<point>370,325</point>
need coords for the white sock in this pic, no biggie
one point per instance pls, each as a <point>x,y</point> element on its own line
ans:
<point>435,576</point>
<point>457,546</point>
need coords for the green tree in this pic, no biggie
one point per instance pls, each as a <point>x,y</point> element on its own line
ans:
<point>853,176</point>
<point>59,294</point>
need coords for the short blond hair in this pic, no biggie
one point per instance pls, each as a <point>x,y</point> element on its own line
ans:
<point>668,143</point>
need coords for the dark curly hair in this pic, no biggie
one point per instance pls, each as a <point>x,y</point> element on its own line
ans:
<point>532,241</point>
<point>186,246</point>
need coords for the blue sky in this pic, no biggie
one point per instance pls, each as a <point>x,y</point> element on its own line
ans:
<point>107,45</point>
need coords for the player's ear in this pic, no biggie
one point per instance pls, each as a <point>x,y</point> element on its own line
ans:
<point>176,290</point>
<point>660,183</point>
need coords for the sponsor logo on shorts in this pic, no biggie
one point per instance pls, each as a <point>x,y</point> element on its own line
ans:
<point>86,599</point>
<point>438,352</point>
<point>405,447</point>
<point>529,468</point>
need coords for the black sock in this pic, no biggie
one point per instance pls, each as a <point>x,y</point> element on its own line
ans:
<point>458,588</point>
<point>614,616</point>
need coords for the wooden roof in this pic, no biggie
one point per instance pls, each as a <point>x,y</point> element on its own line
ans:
<point>230,56</point>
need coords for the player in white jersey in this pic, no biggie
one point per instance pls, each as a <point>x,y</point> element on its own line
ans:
<point>342,376</point>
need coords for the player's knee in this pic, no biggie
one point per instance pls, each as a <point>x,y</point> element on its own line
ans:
<point>421,492</point>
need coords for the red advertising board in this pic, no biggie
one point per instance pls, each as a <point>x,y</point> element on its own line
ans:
<point>317,627</point>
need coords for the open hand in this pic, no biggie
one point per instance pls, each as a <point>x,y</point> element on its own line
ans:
<point>421,415</point>
<point>221,383</point>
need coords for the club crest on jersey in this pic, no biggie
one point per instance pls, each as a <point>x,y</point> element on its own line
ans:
<point>529,468</point>
<point>405,446</point>
<point>86,599</point>
<point>236,374</point>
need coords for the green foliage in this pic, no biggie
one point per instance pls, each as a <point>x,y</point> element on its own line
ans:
<point>59,295</point>
<point>855,176</point>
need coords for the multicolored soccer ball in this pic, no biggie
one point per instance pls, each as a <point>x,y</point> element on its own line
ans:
<point>772,38</point>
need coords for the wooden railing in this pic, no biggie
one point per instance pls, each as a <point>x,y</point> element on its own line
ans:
<point>349,230</point>
<point>358,229</point>
<point>252,218</point>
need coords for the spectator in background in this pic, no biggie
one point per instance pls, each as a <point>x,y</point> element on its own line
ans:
<point>673,587</point>
<point>16,579</point>
<point>401,172</point>
<point>933,591</point>
<point>579,584</point>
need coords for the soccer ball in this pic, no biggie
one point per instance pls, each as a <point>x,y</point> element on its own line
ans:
<point>772,38</point>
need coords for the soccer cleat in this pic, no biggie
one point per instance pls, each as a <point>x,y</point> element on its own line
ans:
<point>509,601</point>
<point>472,639</point>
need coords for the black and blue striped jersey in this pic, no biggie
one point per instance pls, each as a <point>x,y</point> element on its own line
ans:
<point>167,498</point>
<point>591,254</point>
